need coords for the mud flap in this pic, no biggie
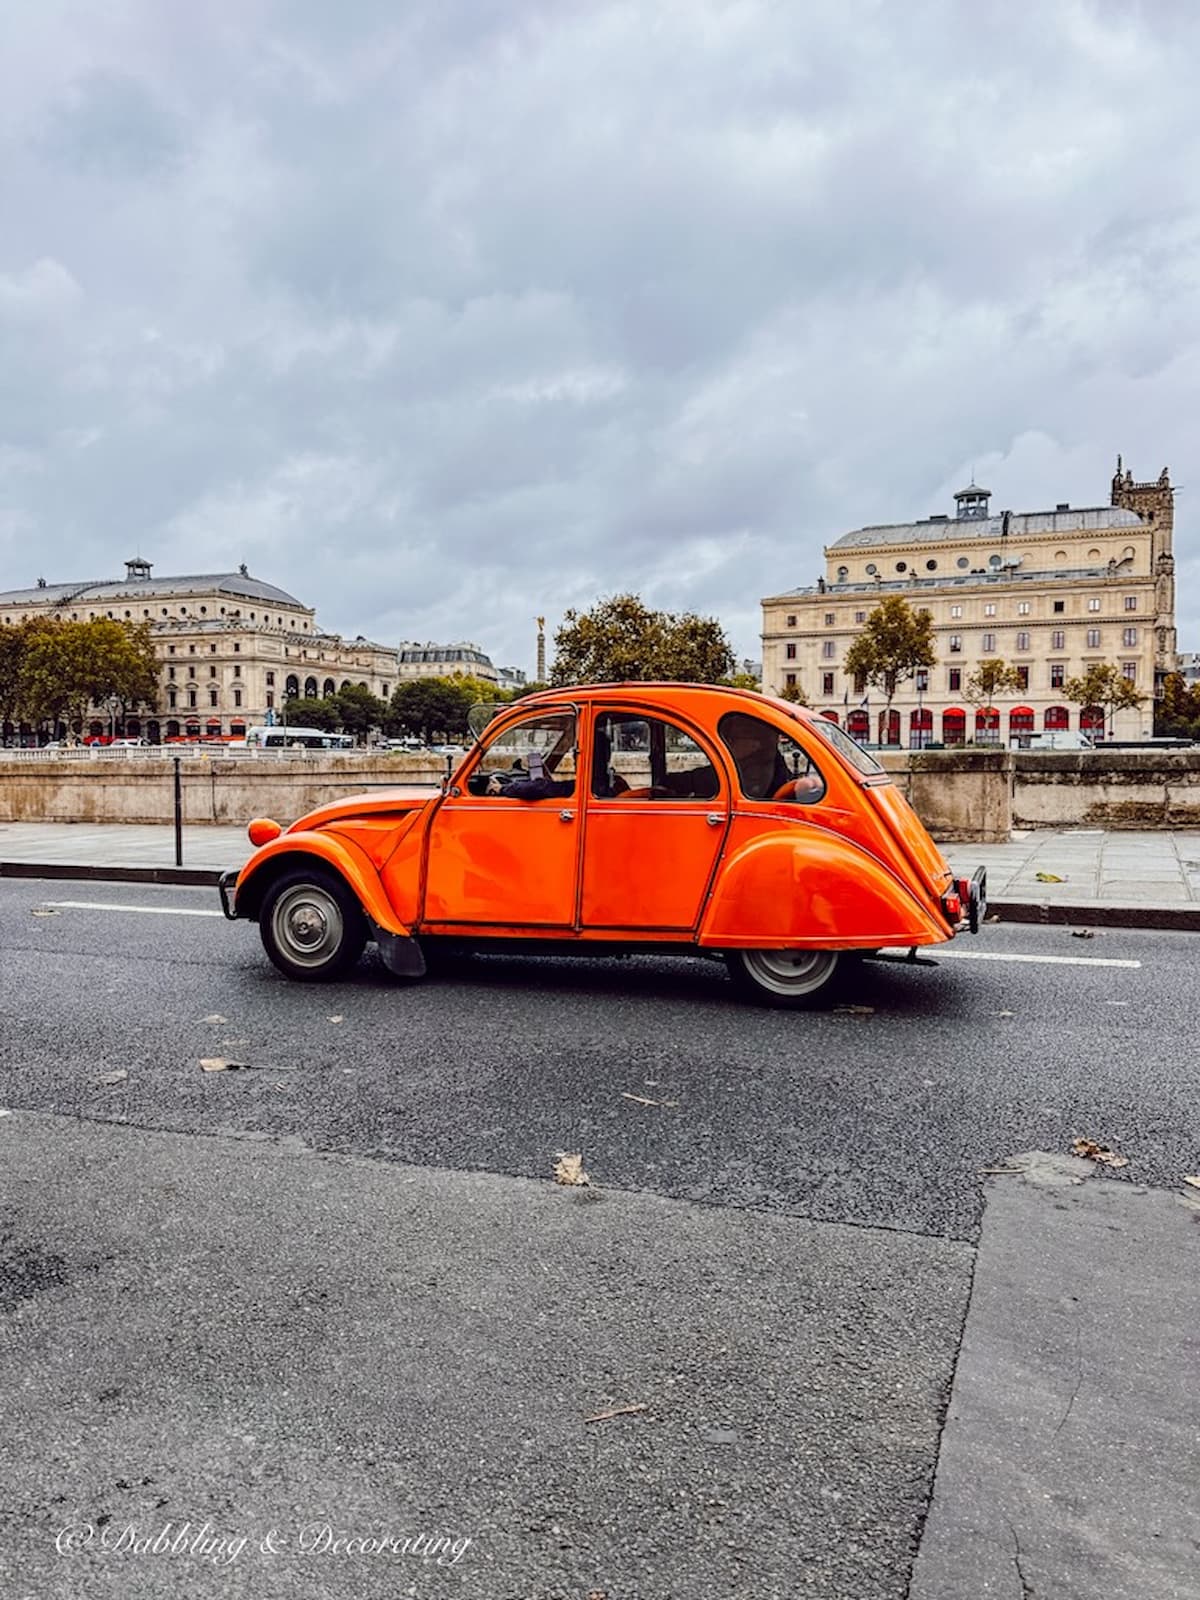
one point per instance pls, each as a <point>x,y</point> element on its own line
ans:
<point>400,953</point>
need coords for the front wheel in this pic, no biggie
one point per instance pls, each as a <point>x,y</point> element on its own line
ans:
<point>312,925</point>
<point>792,978</point>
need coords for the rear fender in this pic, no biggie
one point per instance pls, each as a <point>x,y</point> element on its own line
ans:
<point>333,851</point>
<point>808,889</point>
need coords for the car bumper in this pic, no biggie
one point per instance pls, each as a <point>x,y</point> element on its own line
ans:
<point>227,889</point>
<point>977,899</point>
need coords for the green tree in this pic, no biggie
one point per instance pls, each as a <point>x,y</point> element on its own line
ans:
<point>314,713</point>
<point>622,640</point>
<point>992,678</point>
<point>894,644</point>
<point>359,710</point>
<point>793,693</point>
<point>70,665</point>
<point>1105,686</point>
<point>1177,714</point>
<point>13,647</point>
<point>429,708</point>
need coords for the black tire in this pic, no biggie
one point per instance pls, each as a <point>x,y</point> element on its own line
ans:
<point>792,979</point>
<point>312,925</point>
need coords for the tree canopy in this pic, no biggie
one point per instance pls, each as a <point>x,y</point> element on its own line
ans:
<point>992,678</point>
<point>894,644</point>
<point>621,639</point>
<point>1105,686</point>
<point>51,671</point>
<point>1176,715</point>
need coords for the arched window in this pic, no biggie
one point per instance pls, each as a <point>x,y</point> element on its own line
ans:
<point>1020,720</point>
<point>954,726</point>
<point>889,727</point>
<point>1091,719</point>
<point>310,688</point>
<point>1056,718</point>
<point>292,686</point>
<point>328,688</point>
<point>920,728</point>
<point>987,725</point>
<point>858,725</point>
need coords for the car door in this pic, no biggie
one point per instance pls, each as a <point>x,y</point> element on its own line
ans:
<point>657,812</point>
<point>494,861</point>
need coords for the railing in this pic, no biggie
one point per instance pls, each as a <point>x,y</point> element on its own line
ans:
<point>187,752</point>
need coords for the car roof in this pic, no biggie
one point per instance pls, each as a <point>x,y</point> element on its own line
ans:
<point>700,695</point>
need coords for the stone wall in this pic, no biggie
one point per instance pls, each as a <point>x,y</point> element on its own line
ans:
<point>961,795</point>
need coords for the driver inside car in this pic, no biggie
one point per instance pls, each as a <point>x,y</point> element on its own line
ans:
<point>765,772</point>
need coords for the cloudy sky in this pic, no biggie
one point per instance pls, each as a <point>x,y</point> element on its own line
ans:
<point>447,313</point>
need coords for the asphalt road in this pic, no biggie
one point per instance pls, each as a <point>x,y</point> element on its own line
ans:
<point>336,1285</point>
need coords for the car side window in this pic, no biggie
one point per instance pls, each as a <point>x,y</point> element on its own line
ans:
<point>530,760</point>
<point>770,764</point>
<point>648,758</point>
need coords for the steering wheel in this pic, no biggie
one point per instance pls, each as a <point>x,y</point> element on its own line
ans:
<point>807,786</point>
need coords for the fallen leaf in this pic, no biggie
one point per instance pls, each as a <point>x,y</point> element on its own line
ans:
<point>617,1411</point>
<point>220,1064</point>
<point>214,1017</point>
<point>1091,1151</point>
<point>1082,933</point>
<point>644,1100</point>
<point>118,1076</point>
<point>337,1019</point>
<point>1195,1182</point>
<point>857,1011</point>
<point>569,1170</point>
<point>1049,877</point>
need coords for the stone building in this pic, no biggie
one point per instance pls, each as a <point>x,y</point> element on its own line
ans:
<point>230,646</point>
<point>431,660</point>
<point>1048,592</point>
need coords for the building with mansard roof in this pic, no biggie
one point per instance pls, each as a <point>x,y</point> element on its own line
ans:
<point>1051,593</point>
<point>230,646</point>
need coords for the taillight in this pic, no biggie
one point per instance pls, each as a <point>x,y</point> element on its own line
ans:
<point>964,890</point>
<point>952,906</point>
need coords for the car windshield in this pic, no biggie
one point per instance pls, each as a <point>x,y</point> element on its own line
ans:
<point>861,760</point>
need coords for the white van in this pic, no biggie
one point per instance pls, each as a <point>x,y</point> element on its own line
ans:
<point>1060,739</point>
<point>289,738</point>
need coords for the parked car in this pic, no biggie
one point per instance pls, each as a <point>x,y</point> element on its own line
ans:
<point>618,817</point>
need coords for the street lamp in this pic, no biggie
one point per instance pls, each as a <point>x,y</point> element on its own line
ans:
<point>288,694</point>
<point>113,705</point>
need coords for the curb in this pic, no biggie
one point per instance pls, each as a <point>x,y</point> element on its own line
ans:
<point>206,876</point>
<point>1105,914</point>
<point>1097,914</point>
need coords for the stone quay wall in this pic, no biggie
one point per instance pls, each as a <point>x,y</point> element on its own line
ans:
<point>961,795</point>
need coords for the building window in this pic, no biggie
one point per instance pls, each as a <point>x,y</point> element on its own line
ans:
<point>827,683</point>
<point>842,574</point>
<point>170,672</point>
<point>1129,671</point>
<point>931,566</point>
<point>829,649</point>
<point>1058,673</point>
<point>989,610</point>
<point>872,569</point>
<point>1093,638</point>
<point>191,649</point>
<point>791,621</point>
<point>1058,639</point>
<point>962,562</point>
<point>1094,604</point>
<point>955,643</point>
<point>191,672</point>
<point>1129,637</point>
<point>955,679</point>
<point>922,680</point>
<point>988,643</point>
<point>1022,677</point>
<point>956,611</point>
<point>237,697</point>
<point>191,697</point>
<point>791,680</point>
<point>790,652</point>
<point>212,697</point>
<point>212,672</point>
<point>829,619</point>
<point>171,699</point>
<point>270,699</point>
<point>1131,602</point>
<point>236,648</point>
<point>1022,641</point>
<point>860,683</point>
<point>902,566</point>
<point>860,616</point>
<point>270,680</point>
<point>1022,608</point>
<point>212,649</point>
<point>1060,605</point>
<point>170,649</point>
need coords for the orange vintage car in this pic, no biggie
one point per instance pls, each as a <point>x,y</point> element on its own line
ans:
<point>613,818</point>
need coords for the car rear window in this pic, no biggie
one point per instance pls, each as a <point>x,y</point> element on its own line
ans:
<point>861,760</point>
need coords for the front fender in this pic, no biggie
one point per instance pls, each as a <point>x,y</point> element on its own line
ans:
<point>805,888</point>
<point>332,850</point>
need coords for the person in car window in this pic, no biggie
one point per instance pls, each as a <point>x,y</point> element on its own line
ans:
<point>763,772</point>
<point>543,788</point>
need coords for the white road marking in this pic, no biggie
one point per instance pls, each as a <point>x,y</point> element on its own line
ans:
<point>148,911</point>
<point>1000,955</point>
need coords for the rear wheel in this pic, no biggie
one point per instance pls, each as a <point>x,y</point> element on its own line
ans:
<point>790,978</point>
<point>312,925</point>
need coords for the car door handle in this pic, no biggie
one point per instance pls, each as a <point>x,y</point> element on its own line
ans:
<point>715,819</point>
<point>566,816</point>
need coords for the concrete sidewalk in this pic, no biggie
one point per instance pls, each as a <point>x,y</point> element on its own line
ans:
<point>1149,880</point>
